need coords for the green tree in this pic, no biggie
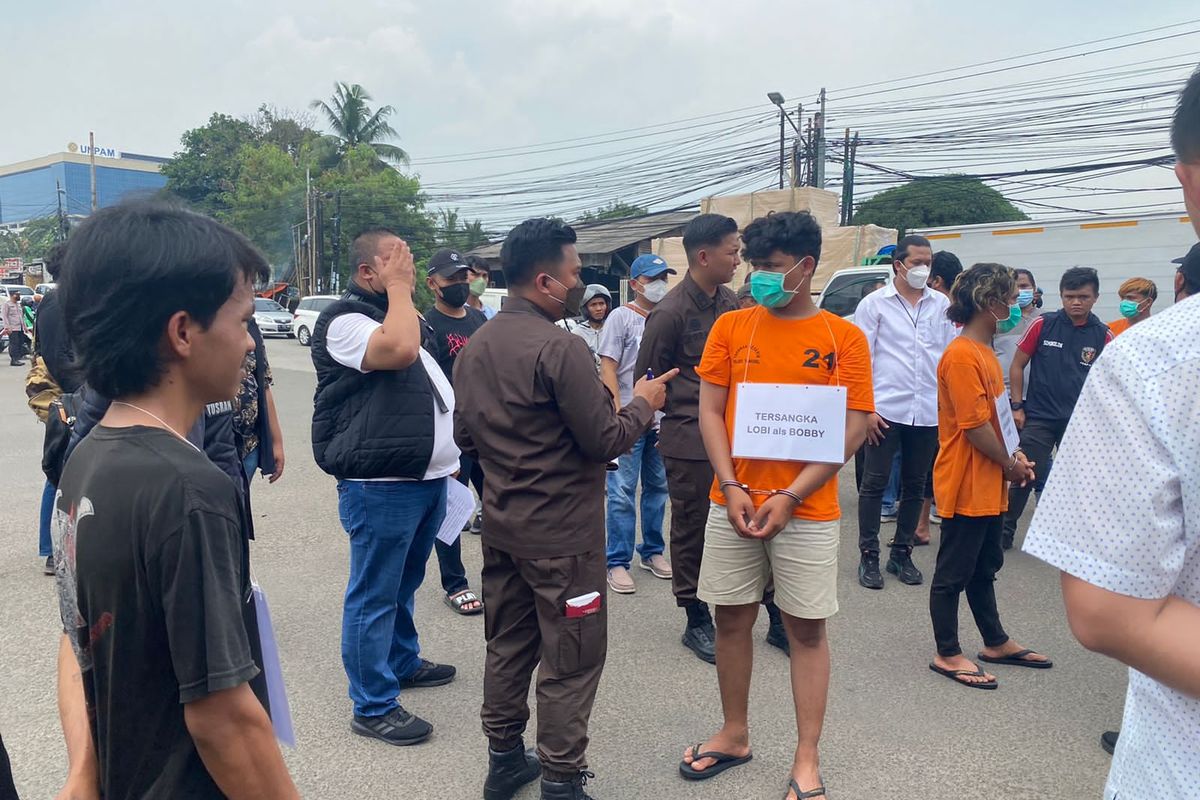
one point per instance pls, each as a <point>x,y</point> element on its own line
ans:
<point>370,197</point>
<point>459,234</point>
<point>266,199</point>
<point>32,242</point>
<point>935,202</point>
<point>614,210</point>
<point>206,169</point>
<point>349,115</point>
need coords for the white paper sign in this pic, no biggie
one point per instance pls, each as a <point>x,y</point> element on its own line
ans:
<point>790,422</point>
<point>281,712</point>
<point>1008,426</point>
<point>460,505</point>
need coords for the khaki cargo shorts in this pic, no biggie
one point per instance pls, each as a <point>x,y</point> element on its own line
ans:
<point>802,557</point>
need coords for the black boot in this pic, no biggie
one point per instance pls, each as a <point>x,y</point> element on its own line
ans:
<point>700,636</point>
<point>776,633</point>
<point>901,565</point>
<point>868,571</point>
<point>509,771</point>
<point>566,790</point>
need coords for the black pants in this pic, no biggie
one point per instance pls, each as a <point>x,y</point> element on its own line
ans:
<point>917,446</point>
<point>968,559</point>
<point>8,790</point>
<point>1039,437</point>
<point>17,344</point>
<point>449,556</point>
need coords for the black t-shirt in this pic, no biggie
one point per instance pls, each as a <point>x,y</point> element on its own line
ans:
<point>451,335</point>
<point>153,574</point>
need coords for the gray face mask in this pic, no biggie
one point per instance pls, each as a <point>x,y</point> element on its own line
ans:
<point>573,302</point>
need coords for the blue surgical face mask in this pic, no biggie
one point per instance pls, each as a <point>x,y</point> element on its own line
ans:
<point>1014,319</point>
<point>767,287</point>
<point>1024,297</point>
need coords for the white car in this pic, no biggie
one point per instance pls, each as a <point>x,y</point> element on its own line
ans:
<point>306,316</point>
<point>272,318</point>
<point>846,289</point>
<point>44,288</point>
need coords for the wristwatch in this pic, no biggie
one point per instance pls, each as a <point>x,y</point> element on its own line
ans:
<point>1016,405</point>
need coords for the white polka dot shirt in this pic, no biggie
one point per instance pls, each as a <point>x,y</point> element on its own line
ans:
<point>1122,511</point>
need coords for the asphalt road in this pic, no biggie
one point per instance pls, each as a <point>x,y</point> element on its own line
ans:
<point>894,729</point>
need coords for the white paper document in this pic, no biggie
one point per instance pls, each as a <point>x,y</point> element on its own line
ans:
<point>790,422</point>
<point>1008,426</point>
<point>460,505</point>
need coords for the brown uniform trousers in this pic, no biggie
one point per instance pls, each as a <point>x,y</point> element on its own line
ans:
<point>525,623</point>
<point>688,483</point>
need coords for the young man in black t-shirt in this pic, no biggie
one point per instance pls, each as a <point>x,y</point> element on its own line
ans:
<point>453,322</point>
<point>150,553</point>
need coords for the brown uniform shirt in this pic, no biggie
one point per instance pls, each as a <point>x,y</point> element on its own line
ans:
<point>676,331</point>
<point>531,409</point>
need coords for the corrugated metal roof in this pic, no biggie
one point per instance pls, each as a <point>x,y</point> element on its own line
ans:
<point>604,238</point>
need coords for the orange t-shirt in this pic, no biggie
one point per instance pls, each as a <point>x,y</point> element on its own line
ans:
<point>965,481</point>
<point>1119,326</point>
<point>786,351</point>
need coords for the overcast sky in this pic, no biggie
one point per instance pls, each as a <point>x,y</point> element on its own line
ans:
<point>470,76</point>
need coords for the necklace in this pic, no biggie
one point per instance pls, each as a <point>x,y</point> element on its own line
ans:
<point>160,421</point>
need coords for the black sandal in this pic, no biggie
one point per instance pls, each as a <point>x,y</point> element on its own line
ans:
<point>953,674</point>
<point>458,600</point>
<point>724,761</point>
<point>1018,659</point>
<point>795,787</point>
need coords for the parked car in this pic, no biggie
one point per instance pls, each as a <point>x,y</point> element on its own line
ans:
<point>25,292</point>
<point>307,311</point>
<point>846,289</point>
<point>44,288</point>
<point>272,318</point>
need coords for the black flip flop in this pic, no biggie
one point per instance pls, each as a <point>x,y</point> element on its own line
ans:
<point>458,600</point>
<point>795,787</point>
<point>724,762</point>
<point>1018,659</point>
<point>953,674</point>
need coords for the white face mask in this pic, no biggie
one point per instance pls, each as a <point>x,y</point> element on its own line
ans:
<point>655,291</point>
<point>917,277</point>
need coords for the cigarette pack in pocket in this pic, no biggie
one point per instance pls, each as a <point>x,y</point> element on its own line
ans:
<point>583,605</point>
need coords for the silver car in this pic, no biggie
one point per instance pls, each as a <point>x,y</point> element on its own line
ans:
<point>272,318</point>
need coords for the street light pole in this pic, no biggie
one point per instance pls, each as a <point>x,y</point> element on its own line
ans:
<point>777,99</point>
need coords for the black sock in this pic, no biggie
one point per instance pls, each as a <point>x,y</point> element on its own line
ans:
<point>697,615</point>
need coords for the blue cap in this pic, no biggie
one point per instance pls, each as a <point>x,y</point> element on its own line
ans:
<point>649,265</point>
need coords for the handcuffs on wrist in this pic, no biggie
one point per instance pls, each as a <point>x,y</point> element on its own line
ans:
<point>768,492</point>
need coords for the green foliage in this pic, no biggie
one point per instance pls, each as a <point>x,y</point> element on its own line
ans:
<point>614,210</point>
<point>936,202</point>
<point>349,115</point>
<point>206,169</point>
<point>370,198</point>
<point>268,191</point>
<point>38,236</point>
<point>457,233</point>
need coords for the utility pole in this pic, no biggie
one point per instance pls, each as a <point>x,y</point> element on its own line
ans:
<point>319,250</point>
<point>820,126</point>
<point>334,272</point>
<point>809,172</point>
<point>92,157</point>
<point>306,281</point>
<point>781,134</point>
<point>62,220</point>
<point>850,154</point>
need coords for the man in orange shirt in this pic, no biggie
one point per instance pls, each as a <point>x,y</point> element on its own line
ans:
<point>976,459</point>
<point>776,517</point>
<point>1137,296</point>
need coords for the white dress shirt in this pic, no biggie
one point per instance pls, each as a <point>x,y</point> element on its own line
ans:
<point>1121,511</point>
<point>906,344</point>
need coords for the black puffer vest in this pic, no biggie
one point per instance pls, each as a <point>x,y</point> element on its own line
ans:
<point>373,425</point>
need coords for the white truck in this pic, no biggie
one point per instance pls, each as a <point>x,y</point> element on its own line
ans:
<point>1141,245</point>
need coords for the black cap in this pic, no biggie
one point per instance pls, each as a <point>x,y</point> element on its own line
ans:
<point>446,263</point>
<point>1189,265</point>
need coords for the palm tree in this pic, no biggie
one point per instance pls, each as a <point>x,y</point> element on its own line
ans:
<point>353,123</point>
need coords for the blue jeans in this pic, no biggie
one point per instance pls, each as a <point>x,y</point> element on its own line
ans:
<point>644,461</point>
<point>392,525</point>
<point>250,464</point>
<point>45,545</point>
